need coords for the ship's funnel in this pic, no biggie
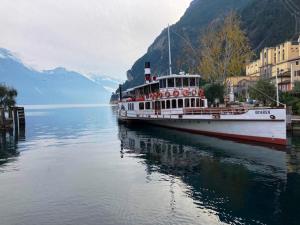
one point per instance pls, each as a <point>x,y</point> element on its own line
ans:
<point>147,72</point>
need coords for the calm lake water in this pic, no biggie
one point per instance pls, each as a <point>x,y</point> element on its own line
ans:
<point>77,165</point>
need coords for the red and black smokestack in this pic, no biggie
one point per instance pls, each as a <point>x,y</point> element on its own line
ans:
<point>147,72</point>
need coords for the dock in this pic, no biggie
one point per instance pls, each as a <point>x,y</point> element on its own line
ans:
<point>12,119</point>
<point>295,123</point>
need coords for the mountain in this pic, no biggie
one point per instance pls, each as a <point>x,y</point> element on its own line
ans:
<point>57,86</point>
<point>110,84</point>
<point>271,22</point>
<point>266,22</point>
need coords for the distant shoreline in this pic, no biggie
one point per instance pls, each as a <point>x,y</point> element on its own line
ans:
<point>63,106</point>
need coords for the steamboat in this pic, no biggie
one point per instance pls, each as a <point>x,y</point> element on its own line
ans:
<point>176,101</point>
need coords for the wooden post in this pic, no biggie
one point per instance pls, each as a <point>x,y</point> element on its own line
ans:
<point>2,118</point>
<point>16,120</point>
<point>10,113</point>
<point>21,116</point>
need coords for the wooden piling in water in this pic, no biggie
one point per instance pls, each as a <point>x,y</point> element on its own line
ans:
<point>2,118</point>
<point>21,116</point>
<point>15,119</point>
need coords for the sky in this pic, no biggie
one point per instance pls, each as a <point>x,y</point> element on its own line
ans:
<point>103,37</point>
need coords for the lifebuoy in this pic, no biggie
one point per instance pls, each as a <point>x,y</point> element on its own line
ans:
<point>154,96</point>
<point>140,99</point>
<point>185,93</point>
<point>201,93</point>
<point>194,92</point>
<point>159,94</point>
<point>175,93</point>
<point>167,94</point>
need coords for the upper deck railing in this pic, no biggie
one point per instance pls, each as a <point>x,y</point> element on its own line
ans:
<point>215,111</point>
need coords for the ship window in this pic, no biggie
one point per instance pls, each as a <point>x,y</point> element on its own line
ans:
<point>171,82</point>
<point>130,107</point>
<point>192,102</point>
<point>178,82</point>
<point>148,105</point>
<point>168,104</point>
<point>201,103</point>
<point>163,83</point>
<point>180,103</point>
<point>163,104</point>
<point>141,106</point>
<point>187,103</point>
<point>153,105</point>
<point>174,105</point>
<point>197,82</point>
<point>192,82</point>
<point>197,102</point>
<point>185,82</point>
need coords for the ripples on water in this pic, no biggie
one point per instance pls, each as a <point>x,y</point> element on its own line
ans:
<point>77,165</point>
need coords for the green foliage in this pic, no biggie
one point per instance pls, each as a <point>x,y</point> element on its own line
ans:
<point>7,96</point>
<point>241,98</point>
<point>263,91</point>
<point>297,107</point>
<point>290,99</point>
<point>297,86</point>
<point>214,91</point>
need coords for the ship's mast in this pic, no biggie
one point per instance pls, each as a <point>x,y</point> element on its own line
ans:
<point>170,56</point>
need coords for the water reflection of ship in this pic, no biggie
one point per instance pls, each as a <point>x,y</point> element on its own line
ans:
<point>9,144</point>
<point>236,180</point>
<point>185,150</point>
<point>293,157</point>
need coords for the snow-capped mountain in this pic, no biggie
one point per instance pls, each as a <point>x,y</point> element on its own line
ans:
<point>57,86</point>
<point>110,84</point>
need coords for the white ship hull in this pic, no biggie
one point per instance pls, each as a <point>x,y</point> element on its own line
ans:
<point>260,125</point>
<point>178,102</point>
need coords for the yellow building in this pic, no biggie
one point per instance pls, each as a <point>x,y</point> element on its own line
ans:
<point>253,69</point>
<point>281,61</point>
<point>239,85</point>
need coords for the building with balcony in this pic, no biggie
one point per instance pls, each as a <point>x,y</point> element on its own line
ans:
<point>281,61</point>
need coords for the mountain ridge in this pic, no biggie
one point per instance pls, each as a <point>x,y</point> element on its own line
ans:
<point>258,16</point>
<point>55,86</point>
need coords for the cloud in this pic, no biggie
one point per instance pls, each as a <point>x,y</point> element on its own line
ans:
<point>89,36</point>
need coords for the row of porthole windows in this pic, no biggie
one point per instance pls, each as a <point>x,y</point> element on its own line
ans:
<point>173,104</point>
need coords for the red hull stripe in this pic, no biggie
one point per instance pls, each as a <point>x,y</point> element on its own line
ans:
<point>277,141</point>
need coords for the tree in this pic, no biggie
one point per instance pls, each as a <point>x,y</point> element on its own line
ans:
<point>214,91</point>
<point>7,96</point>
<point>297,87</point>
<point>263,91</point>
<point>225,49</point>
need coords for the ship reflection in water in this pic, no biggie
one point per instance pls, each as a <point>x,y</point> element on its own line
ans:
<point>239,183</point>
